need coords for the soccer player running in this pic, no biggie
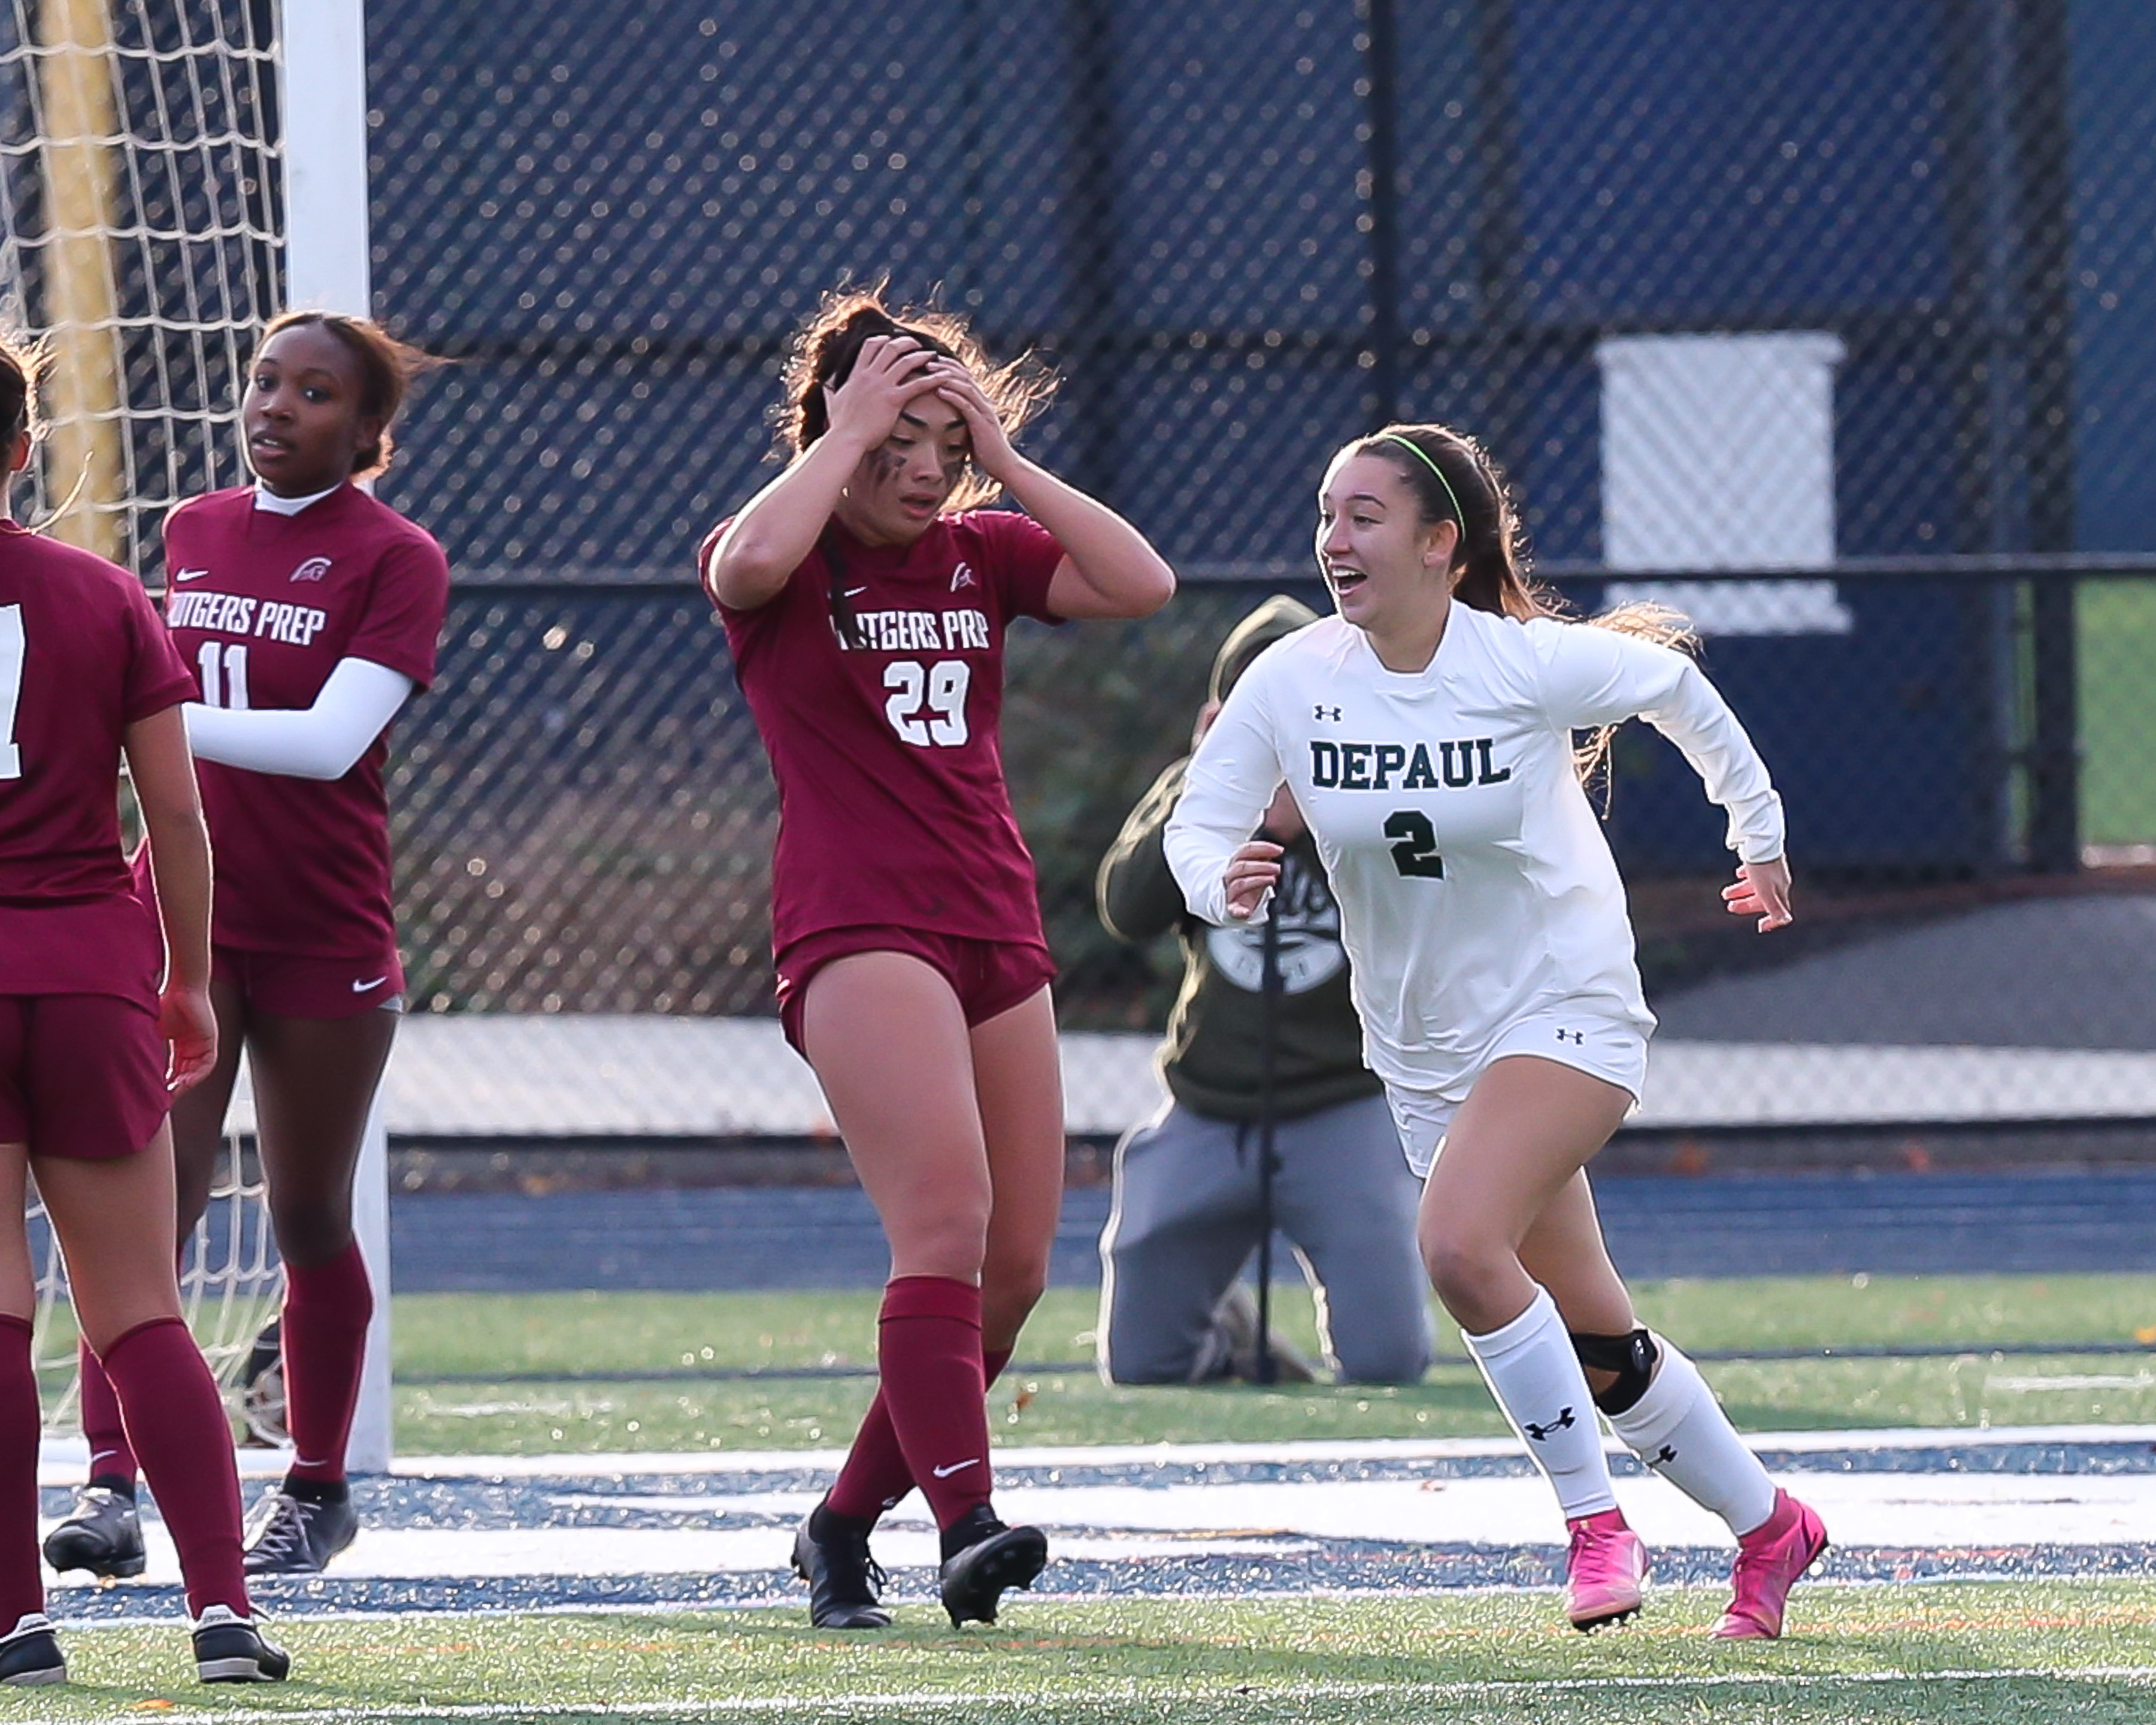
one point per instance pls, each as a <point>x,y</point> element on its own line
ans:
<point>88,677</point>
<point>865,596</point>
<point>308,611</point>
<point>1427,734</point>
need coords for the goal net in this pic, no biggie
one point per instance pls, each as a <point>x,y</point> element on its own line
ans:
<point>140,214</point>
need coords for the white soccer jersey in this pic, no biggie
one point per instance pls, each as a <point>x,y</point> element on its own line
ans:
<point>1475,884</point>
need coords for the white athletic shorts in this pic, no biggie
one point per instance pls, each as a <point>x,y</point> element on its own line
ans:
<point>1612,1049</point>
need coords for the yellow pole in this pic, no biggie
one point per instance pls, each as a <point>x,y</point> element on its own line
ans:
<point>83,397</point>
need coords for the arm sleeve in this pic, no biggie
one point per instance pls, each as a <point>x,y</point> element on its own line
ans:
<point>1592,676</point>
<point>1226,790</point>
<point>1135,892</point>
<point>402,624</point>
<point>156,676</point>
<point>324,741</point>
<point>1027,558</point>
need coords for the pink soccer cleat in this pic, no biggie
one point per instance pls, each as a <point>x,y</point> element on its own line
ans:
<point>1769,1559</point>
<point>1603,1571</point>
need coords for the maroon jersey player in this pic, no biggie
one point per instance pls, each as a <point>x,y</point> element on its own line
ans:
<point>91,1047</point>
<point>308,612</point>
<point>865,604</point>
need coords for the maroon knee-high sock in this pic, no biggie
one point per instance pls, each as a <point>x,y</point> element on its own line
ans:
<point>326,1309</point>
<point>22,1583</point>
<point>875,1477</point>
<point>111,1454</point>
<point>176,1420</point>
<point>928,1353</point>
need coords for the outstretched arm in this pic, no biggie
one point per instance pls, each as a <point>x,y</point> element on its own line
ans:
<point>1109,568</point>
<point>321,741</point>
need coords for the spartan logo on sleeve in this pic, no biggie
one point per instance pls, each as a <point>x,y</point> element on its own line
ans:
<point>1309,950</point>
<point>1395,767</point>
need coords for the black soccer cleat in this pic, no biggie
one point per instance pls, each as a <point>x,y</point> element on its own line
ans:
<point>292,1536</point>
<point>842,1579</point>
<point>232,1649</point>
<point>103,1534</point>
<point>30,1653</point>
<point>989,1558</point>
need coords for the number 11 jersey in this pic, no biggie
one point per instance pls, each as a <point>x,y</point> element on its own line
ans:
<point>892,807</point>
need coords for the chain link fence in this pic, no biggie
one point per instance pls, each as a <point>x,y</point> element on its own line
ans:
<point>1835,327</point>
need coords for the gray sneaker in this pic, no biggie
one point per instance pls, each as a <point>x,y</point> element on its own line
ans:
<point>289,1536</point>
<point>1231,1351</point>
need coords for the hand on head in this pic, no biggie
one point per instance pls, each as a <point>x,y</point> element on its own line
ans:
<point>1761,889</point>
<point>890,371</point>
<point>993,452</point>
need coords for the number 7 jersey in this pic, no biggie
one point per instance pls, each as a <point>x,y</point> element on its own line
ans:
<point>1475,884</point>
<point>892,807</point>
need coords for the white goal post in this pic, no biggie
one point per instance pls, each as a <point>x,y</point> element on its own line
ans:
<point>323,64</point>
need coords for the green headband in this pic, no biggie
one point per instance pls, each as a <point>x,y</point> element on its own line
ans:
<point>1459,514</point>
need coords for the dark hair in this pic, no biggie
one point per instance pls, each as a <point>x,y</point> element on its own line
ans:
<point>387,369</point>
<point>822,357</point>
<point>21,363</point>
<point>1491,554</point>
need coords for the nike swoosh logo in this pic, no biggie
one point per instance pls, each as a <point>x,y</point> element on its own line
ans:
<point>190,574</point>
<point>945,1473</point>
<point>851,591</point>
<point>361,987</point>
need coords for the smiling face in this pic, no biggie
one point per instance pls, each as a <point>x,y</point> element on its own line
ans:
<point>902,484</point>
<point>1389,570</point>
<point>301,413</point>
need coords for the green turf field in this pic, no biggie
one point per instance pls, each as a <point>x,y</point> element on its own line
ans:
<point>489,1342</point>
<point>1972,1654</point>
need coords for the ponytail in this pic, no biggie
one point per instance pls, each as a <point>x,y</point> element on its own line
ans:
<point>1454,479</point>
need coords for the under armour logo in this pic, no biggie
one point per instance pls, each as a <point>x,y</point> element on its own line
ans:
<point>1540,1434</point>
<point>1663,1457</point>
<point>1578,1038</point>
<point>1322,712</point>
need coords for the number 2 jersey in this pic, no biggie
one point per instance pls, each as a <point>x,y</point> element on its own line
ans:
<point>82,657</point>
<point>1475,884</point>
<point>262,606</point>
<point>892,807</point>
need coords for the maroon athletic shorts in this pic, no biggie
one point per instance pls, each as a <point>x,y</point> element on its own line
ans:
<point>988,976</point>
<point>299,986</point>
<point>81,1076</point>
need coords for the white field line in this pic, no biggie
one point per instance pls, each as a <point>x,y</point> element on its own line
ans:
<point>1798,1443</point>
<point>973,1699</point>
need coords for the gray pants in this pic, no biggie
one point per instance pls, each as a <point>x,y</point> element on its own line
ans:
<point>1186,1218</point>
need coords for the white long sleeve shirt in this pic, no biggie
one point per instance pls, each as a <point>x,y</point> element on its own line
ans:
<point>1475,884</point>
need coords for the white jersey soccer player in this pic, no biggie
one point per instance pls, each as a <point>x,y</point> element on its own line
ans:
<point>1427,733</point>
<point>1480,905</point>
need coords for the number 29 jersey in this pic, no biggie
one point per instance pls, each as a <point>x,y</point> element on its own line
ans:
<point>892,807</point>
<point>262,606</point>
<point>1475,887</point>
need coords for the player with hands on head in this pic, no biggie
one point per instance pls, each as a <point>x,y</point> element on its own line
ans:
<point>93,1048</point>
<point>1427,733</point>
<point>308,611</point>
<point>865,596</point>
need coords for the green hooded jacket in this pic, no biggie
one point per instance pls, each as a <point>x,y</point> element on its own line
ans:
<point>1210,1060</point>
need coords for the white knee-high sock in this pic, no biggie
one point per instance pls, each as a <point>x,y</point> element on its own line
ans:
<point>1678,1429</point>
<point>1536,1376</point>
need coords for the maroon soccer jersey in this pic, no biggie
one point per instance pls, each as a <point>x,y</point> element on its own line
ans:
<point>82,657</point>
<point>891,803</point>
<point>263,606</point>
